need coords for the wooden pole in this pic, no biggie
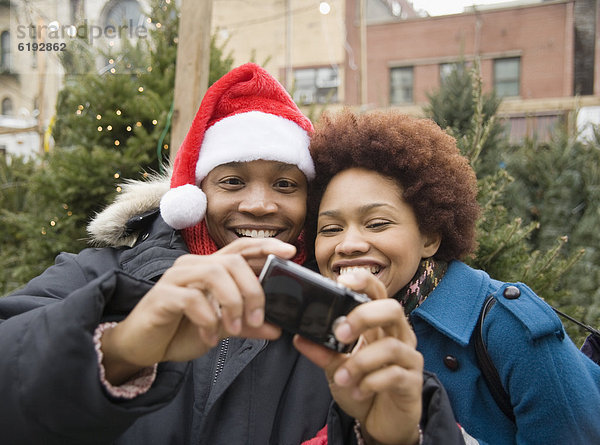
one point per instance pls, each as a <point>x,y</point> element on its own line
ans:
<point>363,51</point>
<point>192,69</point>
<point>41,67</point>
<point>288,45</point>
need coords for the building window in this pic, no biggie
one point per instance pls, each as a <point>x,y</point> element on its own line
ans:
<point>315,85</point>
<point>124,12</point>
<point>7,107</point>
<point>401,85</point>
<point>506,76</point>
<point>446,69</point>
<point>5,51</point>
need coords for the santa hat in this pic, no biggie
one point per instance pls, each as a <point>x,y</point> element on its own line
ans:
<point>245,116</point>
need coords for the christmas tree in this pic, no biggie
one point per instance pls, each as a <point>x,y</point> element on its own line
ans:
<point>111,124</point>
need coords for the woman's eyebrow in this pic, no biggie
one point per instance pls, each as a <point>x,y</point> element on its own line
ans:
<point>362,209</point>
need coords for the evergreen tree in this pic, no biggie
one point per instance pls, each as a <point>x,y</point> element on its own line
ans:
<point>453,107</point>
<point>111,124</point>
<point>557,186</point>
<point>506,235</point>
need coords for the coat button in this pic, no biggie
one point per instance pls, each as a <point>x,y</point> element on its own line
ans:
<point>451,362</point>
<point>512,292</point>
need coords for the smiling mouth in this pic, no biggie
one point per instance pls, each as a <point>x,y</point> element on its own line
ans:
<point>374,269</point>
<point>253,233</point>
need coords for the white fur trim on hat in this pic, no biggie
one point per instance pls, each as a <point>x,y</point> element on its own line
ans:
<point>251,136</point>
<point>183,206</point>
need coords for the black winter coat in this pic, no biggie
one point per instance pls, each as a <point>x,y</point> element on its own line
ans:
<point>266,393</point>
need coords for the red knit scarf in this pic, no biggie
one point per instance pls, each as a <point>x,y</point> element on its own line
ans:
<point>200,243</point>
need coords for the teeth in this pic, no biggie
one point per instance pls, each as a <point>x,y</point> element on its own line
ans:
<point>256,233</point>
<point>373,269</point>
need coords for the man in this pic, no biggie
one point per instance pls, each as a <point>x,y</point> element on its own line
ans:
<point>160,338</point>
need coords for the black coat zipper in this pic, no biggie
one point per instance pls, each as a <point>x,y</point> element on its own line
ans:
<point>223,349</point>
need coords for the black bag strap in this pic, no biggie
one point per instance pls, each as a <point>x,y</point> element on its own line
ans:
<point>587,327</point>
<point>488,370</point>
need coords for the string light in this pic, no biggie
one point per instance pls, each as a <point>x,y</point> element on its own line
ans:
<point>138,124</point>
<point>80,107</point>
<point>52,223</point>
<point>117,176</point>
<point>324,8</point>
<point>140,89</point>
<point>99,128</point>
<point>118,189</point>
<point>98,116</point>
<point>113,71</point>
<point>166,146</point>
<point>109,127</point>
<point>158,25</point>
<point>128,128</point>
<point>78,112</point>
<point>149,69</point>
<point>154,122</point>
<point>117,143</point>
<point>43,231</point>
<point>65,206</point>
<point>118,112</point>
<point>69,213</point>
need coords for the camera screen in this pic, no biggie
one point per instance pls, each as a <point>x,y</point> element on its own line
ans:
<point>299,305</point>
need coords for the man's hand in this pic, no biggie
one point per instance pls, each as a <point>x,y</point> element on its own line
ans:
<point>198,301</point>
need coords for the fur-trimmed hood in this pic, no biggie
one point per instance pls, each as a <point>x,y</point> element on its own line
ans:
<point>109,227</point>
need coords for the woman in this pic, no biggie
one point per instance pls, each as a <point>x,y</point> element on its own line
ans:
<point>393,196</point>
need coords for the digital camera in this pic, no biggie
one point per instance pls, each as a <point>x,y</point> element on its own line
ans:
<point>303,302</point>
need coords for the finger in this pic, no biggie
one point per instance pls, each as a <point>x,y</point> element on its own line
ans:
<point>365,282</point>
<point>228,282</point>
<point>396,379</point>
<point>266,331</point>
<point>166,303</point>
<point>223,294</point>
<point>253,248</point>
<point>385,352</point>
<point>199,310</point>
<point>387,314</point>
<point>250,289</point>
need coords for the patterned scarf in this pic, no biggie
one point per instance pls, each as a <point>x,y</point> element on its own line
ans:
<point>199,242</point>
<point>428,275</point>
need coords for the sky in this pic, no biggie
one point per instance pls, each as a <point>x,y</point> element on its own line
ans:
<point>441,7</point>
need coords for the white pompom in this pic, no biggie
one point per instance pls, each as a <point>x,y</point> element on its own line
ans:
<point>183,206</point>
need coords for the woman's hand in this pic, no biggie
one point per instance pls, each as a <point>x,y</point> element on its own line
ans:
<point>197,301</point>
<point>380,382</point>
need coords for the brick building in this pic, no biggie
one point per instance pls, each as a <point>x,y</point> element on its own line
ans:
<point>540,57</point>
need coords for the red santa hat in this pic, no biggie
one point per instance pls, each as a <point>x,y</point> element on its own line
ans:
<point>245,116</point>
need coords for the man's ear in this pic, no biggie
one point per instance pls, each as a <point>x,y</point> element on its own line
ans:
<point>431,244</point>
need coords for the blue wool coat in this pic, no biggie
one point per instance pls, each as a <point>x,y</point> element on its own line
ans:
<point>554,388</point>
